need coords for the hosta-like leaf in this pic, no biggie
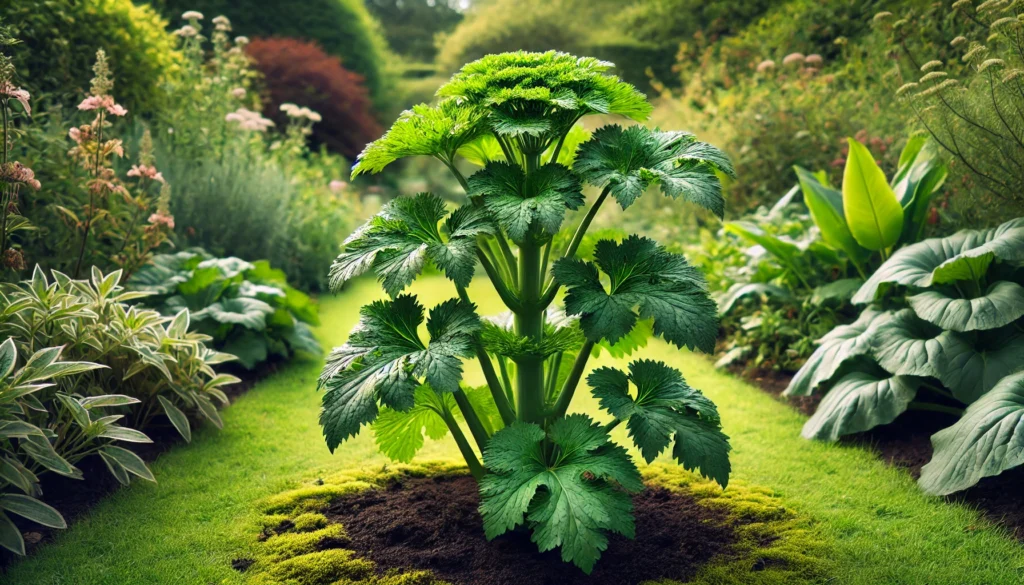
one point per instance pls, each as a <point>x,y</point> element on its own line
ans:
<point>860,401</point>
<point>663,286</point>
<point>398,241</point>
<point>965,255</point>
<point>385,360</point>
<point>840,346</point>
<point>986,441</point>
<point>424,130</point>
<point>872,210</point>
<point>245,311</point>
<point>571,503</point>
<point>907,346</point>
<point>1002,304</point>
<point>399,435</point>
<point>970,370</point>
<point>631,160</point>
<point>665,407</point>
<point>519,202</point>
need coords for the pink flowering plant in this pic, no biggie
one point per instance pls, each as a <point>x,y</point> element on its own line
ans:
<point>14,176</point>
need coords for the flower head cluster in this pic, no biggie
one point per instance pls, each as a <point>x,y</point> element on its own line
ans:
<point>295,111</point>
<point>105,102</point>
<point>17,173</point>
<point>162,219</point>
<point>249,120</point>
<point>14,259</point>
<point>146,172</point>
<point>793,59</point>
<point>221,23</point>
<point>192,15</point>
<point>765,66</point>
<point>8,91</point>
<point>187,32</point>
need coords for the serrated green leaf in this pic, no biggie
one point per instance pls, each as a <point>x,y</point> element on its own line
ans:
<point>579,503</point>
<point>860,401</point>
<point>631,160</point>
<point>521,202</point>
<point>386,360</point>
<point>986,441</point>
<point>399,240</point>
<point>399,435</point>
<point>663,286</point>
<point>665,407</point>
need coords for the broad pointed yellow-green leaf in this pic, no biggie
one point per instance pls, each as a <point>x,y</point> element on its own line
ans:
<point>872,210</point>
<point>826,207</point>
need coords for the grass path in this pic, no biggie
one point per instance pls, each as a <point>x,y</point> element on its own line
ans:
<point>201,515</point>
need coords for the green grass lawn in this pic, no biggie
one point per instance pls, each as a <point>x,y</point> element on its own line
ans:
<point>203,512</point>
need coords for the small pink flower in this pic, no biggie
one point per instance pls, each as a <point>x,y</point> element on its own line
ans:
<point>765,65</point>
<point>162,219</point>
<point>793,58</point>
<point>91,103</point>
<point>76,135</point>
<point>814,59</point>
<point>238,92</point>
<point>15,172</point>
<point>337,186</point>
<point>146,171</point>
<point>8,90</point>
<point>117,110</point>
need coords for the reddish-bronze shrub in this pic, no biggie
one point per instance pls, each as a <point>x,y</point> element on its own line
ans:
<point>301,73</point>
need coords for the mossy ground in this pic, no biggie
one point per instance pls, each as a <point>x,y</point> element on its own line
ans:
<point>878,528</point>
<point>775,544</point>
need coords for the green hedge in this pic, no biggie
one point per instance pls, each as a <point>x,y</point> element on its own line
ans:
<point>60,39</point>
<point>341,27</point>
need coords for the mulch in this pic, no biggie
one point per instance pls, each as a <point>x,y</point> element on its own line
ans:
<point>906,443</point>
<point>74,497</point>
<point>433,524</point>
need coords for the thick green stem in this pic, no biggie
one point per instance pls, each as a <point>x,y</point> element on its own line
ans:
<point>610,426</point>
<point>569,388</point>
<point>476,427</point>
<point>530,324</point>
<point>464,447</point>
<point>508,414</point>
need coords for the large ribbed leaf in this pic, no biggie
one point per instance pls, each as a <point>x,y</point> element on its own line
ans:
<point>907,346</point>
<point>1001,304</point>
<point>986,441</point>
<point>970,370</point>
<point>840,346</point>
<point>860,401</point>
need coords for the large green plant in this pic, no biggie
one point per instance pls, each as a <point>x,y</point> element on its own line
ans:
<point>943,331</point>
<point>247,309</point>
<point>561,475</point>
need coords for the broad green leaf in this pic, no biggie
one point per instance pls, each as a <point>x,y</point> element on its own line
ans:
<point>249,348</point>
<point>20,429</point>
<point>840,346</point>
<point>399,435</point>
<point>872,211</point>
<point>665,407</point>
<point>399,240</point>
<point>986,441</point>
<point>116,469</point>
<point>78,412</point>
<point>245,311</point>
<point>740,291</point>
<point>385,360</point>
<point>636,339</point>
<point>178,326</point>
<point>642,275</point>
<point>33,509</point>
<point>920,174</point>
<point>8,357</point>
<point>907,346</point>
<point>970,370</point>
<point>836,293</point>
<point>40,449</point>
<point>130,461</point>
<point>571,503</point>
<point>527,204</point>
<point>966,255</point>
<point>628,161</point>
<point>177,418</point>
<point>787,253</point>
<point>1002,304</point>
<point>826,207</point>
<point>10,536</point>
<point>437,131</point>
<point>125,434</point>
<point>15,473</point>
<point>860,401</point>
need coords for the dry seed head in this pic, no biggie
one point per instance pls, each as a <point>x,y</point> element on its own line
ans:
<point>989,63</point>
<point>961,4</point>
<point>977,50</point>
<point>905,88</point>
<point>883,16</point>
<point>958,41</point>
<point>933,64</point>
<point>949,83</point>
<point>1005,22</point>
<point>102,83</point>
<point>1012,74</point>
<point>934,75</point>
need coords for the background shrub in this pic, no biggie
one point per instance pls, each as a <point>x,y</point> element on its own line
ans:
<point>302,73</point>
<point>410,25</point>
<point>342,28</point>
<point>60,39</point>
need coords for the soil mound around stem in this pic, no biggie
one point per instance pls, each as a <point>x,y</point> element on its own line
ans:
<point>433,524</point>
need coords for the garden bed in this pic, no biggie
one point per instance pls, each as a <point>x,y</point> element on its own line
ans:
<point>906,443</point>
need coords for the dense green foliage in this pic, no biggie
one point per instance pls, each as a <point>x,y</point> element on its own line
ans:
<point>943,331</point>
<point>561,476</point>
<point>60,39</point>
<point>123,366</point>
<point>411,25</point>
<point>247,309</point>
<point>342,28</point>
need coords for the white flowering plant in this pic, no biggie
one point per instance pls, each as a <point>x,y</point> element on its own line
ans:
<point>561,475</point>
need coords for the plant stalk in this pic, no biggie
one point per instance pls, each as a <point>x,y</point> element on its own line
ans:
<point>464,447</point>
<point>529,322</point>
<point>476,428</point>
<point>569,388</point>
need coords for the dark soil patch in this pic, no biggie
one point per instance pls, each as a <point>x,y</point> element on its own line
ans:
<point>74,497</point>
<point>906,443</point>
<point>433,524</point>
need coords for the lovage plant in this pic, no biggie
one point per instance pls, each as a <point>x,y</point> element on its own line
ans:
<point>559,475</point>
